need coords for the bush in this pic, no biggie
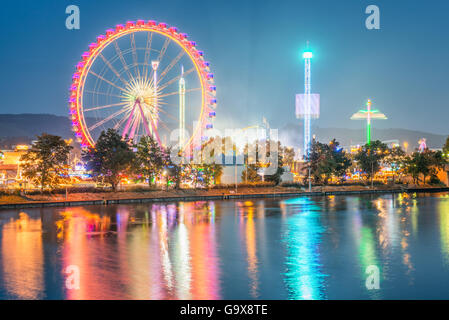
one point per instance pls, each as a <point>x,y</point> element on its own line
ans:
<point>9,192</point>
<point>245,185</point>
<point>69,190</point>
<point>435,181</point>
<point>139,189</point>
<point>292,185</point>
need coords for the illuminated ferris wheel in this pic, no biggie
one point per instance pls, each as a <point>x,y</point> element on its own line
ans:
<point>143,79</point>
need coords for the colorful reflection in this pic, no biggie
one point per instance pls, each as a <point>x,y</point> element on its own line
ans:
<point>157,252</point>
<point>23,258</point>
<point>366,247</point>
<point>247,214</point>
<point>302,248</point>
<point>443,209</point>
<point>183,267</point>
<point>304,278</point>
<point>205,284</point>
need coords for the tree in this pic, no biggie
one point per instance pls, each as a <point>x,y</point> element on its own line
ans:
<point>414,162</point>
<point>44,162</point>
<point>317,156</point>
<point>340,161</point>
<point>288,155</point>
<point>171,169</point>
<point>251,173</point>
<point>111,157</point>
<point>446,148</point>
<point>370,156</point>
<point>207,170</point>
<point>279,162</point>
<point>217,172</point>
<point>210,173</point>
<point>259,156</point>
<point>396,159</point>
<point>426,163</point>
<point>194,174</point>
<point>149,158</point>
<point>437,162</point>
<point>327,160</point>
<point>252,164</point>
<point>445,153</point>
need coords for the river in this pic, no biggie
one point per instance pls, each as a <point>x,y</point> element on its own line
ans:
<point>294,248</point>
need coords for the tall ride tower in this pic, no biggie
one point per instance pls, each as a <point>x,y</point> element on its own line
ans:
<point>368,114</point>
<point>182,109</point>
<point>307,55</point>
<point>307,104</point>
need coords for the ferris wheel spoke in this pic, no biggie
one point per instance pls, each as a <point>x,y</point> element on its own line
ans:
<point>103,93</point>
<point>147,52</point>
<point>106,61</point>
<point>164,49</point>
<point>168,115</point>
<point>106,80</point>
<point>109,118</point>
<point>122,59</point>
<point>120,122</point>
<point>145,121</point>
<point>106,106</point>
<point>177,92</point>
<point>166,84</point>
<point>164,125</point>
<point>134,53</point>
<point>170,66</point>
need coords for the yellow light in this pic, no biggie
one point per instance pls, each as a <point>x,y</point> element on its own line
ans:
<point>22,147</point>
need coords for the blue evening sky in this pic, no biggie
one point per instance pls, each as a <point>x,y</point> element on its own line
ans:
<point>254,49</point>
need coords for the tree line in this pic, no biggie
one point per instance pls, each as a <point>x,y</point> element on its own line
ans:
<point>331,161</point>
<point>45,164</point>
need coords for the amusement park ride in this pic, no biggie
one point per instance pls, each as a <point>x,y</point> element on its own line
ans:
<point>307,106</point>
<point>368,115</point>
<point>132,79</point>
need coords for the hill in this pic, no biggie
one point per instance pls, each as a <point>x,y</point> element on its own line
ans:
<point>23,128</point>
<point>291,134</point>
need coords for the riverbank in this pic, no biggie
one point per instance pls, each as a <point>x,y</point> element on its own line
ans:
<point>105,198</point>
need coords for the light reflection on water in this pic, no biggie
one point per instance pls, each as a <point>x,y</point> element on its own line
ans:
<point>299,248</point>
<point>302,237</point>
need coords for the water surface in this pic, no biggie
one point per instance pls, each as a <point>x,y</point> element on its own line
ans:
<point>297,248</point>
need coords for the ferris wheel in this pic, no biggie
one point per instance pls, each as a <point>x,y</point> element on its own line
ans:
<point>143,79</point>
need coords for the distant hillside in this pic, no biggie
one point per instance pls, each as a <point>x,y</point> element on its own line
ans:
<point>292,134</point>
<point>22,128</point>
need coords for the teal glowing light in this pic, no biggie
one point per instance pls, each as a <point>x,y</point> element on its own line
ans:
<point>307,55</point>
<point>302,235</point>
